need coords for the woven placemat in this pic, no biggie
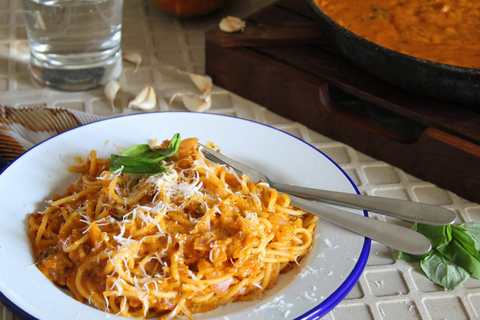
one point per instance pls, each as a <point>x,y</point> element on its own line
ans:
<point>22,128</point>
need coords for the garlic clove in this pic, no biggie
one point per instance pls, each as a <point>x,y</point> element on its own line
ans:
<point>196,103</point>
<point>175,96</point>
<point>133,57</point>
<point>111,90</point>
<point>145,100</point>
<point>232,24</point>
<point>202,82</point>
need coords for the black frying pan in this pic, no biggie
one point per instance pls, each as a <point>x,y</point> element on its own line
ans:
<point>416,75</point>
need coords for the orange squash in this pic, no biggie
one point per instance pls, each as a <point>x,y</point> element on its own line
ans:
<point>188,8</point>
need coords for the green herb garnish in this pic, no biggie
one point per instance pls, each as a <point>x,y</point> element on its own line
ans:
<point>443,272</point>
<point>141,159</point>
<point>455,254</point>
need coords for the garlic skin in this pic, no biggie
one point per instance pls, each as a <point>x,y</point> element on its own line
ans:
<point>197,103</point>
<point>203,83</point>
<point>133,57</point>
<point>232,24</point>
<point>111,90</point>
<point>193,102</point>
<point>145,100</point>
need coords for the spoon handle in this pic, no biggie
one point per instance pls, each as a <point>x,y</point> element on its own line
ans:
<point>392,235</point>
<point>401,209</point>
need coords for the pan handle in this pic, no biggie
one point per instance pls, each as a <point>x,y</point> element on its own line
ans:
<point>374,116</point>
<point>269,36</point>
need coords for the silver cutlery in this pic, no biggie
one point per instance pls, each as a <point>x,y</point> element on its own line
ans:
<point>401,209</point>
<point>392,235</point>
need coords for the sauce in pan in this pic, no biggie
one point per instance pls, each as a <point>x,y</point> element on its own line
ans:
<point>445,31</point>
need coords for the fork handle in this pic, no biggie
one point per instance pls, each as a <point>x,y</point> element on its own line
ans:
<point>401,209</point>
<point>392,235</point>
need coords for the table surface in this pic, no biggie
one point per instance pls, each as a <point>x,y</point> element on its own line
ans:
<point>387,289</point>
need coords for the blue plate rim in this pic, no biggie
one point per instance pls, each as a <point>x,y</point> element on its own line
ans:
<point>315,313</point>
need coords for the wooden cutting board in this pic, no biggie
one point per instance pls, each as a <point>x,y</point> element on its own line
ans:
<point>286,62</point>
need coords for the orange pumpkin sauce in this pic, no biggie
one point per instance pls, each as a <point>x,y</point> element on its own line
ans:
<point>445,31</point>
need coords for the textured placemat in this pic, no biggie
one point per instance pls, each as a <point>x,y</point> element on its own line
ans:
<point>387,289</point>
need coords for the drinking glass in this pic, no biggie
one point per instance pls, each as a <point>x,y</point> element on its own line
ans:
<point>74,44</point>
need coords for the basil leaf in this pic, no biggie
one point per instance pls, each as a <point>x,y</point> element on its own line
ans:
<point>438,235</point>
<point>175,143</point>
<point>457,254</point>
<point>443,272</point>
<point>473,230</point>
<point>135,165</point>
<point>145,150</point>
<point>467,242</point>
<point>140,159</point>
<point>161,154</point>
<point>136,150</point>
<point>399,255</point>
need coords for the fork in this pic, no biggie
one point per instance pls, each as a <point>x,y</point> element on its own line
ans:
<point>392,235</point>
<point>401,209</point>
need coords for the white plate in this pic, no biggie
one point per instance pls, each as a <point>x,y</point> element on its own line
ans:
<point>322,280</point>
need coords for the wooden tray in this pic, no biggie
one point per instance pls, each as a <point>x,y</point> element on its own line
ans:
<point>285,62</point>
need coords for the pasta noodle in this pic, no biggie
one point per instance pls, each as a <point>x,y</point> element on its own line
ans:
<point>184,241</point>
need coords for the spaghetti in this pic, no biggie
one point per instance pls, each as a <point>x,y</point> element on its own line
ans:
<point>184,241</point>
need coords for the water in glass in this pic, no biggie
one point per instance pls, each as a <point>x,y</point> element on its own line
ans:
<point>75,44</point>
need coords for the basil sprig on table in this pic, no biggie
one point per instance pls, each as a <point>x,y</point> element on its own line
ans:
<point>141,159</point>
<point>455,254</point>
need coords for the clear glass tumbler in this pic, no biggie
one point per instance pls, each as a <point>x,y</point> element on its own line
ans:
<point>74,44</point>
